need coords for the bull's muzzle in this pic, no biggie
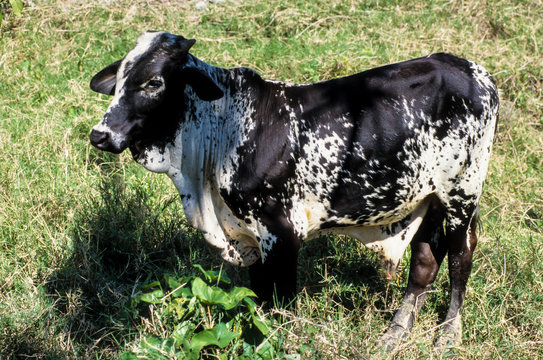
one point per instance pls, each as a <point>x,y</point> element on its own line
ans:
<point>103,140</point>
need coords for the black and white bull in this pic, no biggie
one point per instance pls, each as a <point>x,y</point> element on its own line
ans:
<point>392,156</point>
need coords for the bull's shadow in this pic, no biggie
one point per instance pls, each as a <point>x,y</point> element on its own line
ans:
<point>125,236</point>
<point>343,270</point>
<point>121,238</point>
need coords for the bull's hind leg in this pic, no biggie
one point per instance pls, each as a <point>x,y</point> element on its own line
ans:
<point>461,240</point>
<point>427,252</point>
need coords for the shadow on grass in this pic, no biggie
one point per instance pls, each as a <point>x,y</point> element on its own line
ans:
<point>337,267</point>
<point>120,239</point>
<point>126,236</point>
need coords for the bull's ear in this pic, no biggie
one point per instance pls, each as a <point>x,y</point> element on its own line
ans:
<point>104,82</point>
<point>202,84</point>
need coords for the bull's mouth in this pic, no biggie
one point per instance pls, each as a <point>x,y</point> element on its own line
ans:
<point>137,148</point>
<point>110,148</point>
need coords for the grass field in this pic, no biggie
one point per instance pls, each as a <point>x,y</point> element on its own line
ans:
<point>82,230</point>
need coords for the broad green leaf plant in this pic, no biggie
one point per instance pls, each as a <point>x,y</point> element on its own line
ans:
<point>203,317</point>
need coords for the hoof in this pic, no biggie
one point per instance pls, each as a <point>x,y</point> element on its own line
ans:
<point>390,340</point>
<point>449,337</point>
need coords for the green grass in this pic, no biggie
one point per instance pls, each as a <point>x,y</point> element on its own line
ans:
<point>81,230</point>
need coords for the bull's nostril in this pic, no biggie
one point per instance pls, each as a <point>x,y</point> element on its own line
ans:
<point>107,141</point>
<point>98,137</point>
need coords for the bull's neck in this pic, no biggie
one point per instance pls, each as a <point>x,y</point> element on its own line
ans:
<point>206,135</point>
<point>206,142</point>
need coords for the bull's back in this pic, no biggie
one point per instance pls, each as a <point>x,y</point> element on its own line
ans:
<point>376,144</point>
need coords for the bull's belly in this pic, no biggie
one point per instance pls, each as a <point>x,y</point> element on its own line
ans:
<point>389,239</point>
<point>243,243</point>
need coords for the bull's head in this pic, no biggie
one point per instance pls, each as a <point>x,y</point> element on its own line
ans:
<point>148,104</point>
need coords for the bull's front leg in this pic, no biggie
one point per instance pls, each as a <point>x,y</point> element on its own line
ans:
<point>275,278</point>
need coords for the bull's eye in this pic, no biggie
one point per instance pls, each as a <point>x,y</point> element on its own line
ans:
<point>153,84</point>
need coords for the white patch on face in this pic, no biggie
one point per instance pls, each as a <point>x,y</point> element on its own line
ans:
<point>117,139</point>
<point>143,44</point>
